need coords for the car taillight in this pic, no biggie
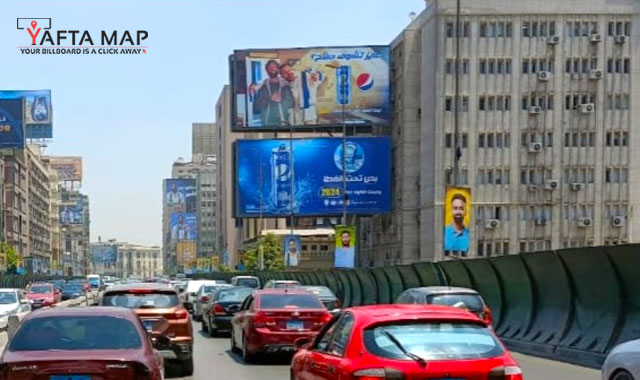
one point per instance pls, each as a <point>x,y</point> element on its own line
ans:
<point>180,314</point>
<point>218,310</point>
<point>326,318</point>
<point>378,373</point>
<point>488,317</point>
<point>506,373</point>
<point>260,319</point>
<point>204,299</point>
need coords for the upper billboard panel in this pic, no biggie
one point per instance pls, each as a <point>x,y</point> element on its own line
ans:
<point>38,118</point>
<point>11,123</point>
<point>308,88</point>
<point>67,168</point>
<point>180,195</point>
<point>271,177</point>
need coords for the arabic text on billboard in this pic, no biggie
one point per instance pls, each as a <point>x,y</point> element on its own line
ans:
<point>183,226</point>
<point>180,195</point>
<point>67,168</point>
<point>264,176</point>
<point>308,87</point>
<point>38,117</point>
<point>103,253</point>
<point>72,214</point>
<point>11,123</point>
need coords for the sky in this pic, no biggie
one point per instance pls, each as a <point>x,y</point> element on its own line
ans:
<point>130,117</point>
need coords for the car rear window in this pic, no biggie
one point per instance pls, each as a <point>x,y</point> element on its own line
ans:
<point>233,295</point>
<point>320,291</point>
<point>7,298</point>
<point>248,282</point>
<point>76,333</point>
<point>73,288</point>
<point>286,301</point>
<point>41,289</point>
<point>433,341</point>
<point>155,300</point>
<point>471,302</point>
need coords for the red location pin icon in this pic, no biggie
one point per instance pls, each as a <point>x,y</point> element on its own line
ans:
<point>34,24</point>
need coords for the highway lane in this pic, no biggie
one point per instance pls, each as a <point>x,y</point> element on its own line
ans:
<point>213,358</point>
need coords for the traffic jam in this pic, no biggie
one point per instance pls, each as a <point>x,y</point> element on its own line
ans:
<point>135,329</point>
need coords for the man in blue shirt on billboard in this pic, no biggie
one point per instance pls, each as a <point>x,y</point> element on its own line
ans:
<point>456,235</point>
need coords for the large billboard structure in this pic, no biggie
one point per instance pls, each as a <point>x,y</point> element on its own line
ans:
<point>457,220</point>
<point>38,115</point>
<point>67,168</point>
<point>271,177</point>
<point>180,195</point>
<point>12,123</point>
<point>183,226</point>
<point>307,88</point>
<point>72,214</point>
<point>103,253</point>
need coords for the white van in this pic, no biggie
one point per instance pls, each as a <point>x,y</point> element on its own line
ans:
<point>192,291</point>
<point>246,281</point>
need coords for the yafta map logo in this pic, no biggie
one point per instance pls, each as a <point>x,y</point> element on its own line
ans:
<point>44,40</point>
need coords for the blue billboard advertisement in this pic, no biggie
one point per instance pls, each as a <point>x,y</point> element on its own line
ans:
<point>38,117</point>
<point>103,253</point>
<point>180,195</point>
<point>183,226</point>
<point>309,87</point>
<point>11,123</point>
<point>270,180</point>
<point>72,214</point>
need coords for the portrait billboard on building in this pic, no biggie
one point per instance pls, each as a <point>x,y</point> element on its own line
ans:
<point>72,214</point>
<point>12,123</point>
<point>345,251</point>
<point>180,195</point>
<point>310,87</point>
<point>292,250</point>
<point>457,220</point>
<point>270,179</point>
<point>183,226</point>
<point>38,115</point>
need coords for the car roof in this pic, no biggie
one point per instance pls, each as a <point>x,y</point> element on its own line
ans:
<point>241,277</point>
<point>285,281</point>
<point>282,291</point>
<point>41,283</point>
<point>444,290</point>
<point>143,285</point>
<point>107,311</point>
<point>374,314</point>
<point>8,290</point>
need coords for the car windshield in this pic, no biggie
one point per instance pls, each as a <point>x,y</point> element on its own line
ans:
<point>471,302</point>
<point>7,298</point>
<point>286,301</point>
<point>248,282</point>
<point>433,341</point>
<point>76,333</point>
<point>233,295</point>
<point>73,288</point>
<point>41,289</point>
<point>94,281</point>
<point>156,300</point>
<point>210,289</point>
<point>282,285</point>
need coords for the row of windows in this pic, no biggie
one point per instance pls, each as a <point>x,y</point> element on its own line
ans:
<point>538,29</point>
<point>583,139</point>
<point>535,245</point>
<point>450,29</point>
<point>491,66</point>
<point>493,177</point>
<point>580,65</point>
<point>494,103</point>
<point>545,102</point>
<point>534,65</point>
<point>494,140</point>
<point>450,66</point>
<point>579,175</point>
<point>580,28</point>
<point>494,66</point>
<point>448,140</point>
<point>616,175</point>
<point>619,28</point>
<point>492,212</point>
<point>449,104</point>
<point>314,247</point>
<point>529,138</point>
<point>616,209</point>
<point>619,65</point>
<point>617,138</point>
<point>495,248</point>
<point>575,212</point>
<point>535,176</point>
<point>463,176</point>
<point>535,213</point>
<point>572,101</point>
<point>532,29</point>
<point>618,102</point>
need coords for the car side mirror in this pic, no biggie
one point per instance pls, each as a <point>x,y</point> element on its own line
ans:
<point>301,343</point>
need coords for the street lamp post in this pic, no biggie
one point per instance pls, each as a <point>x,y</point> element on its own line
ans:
<point>261,220</point>
<point>343,104</point>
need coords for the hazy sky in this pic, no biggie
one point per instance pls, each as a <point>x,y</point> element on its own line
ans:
<point>130,116</point>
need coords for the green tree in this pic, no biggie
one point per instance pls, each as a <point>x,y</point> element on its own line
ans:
<point>11,257</point>
<point>272,251</point>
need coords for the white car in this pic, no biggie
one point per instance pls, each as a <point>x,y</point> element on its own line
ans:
<point>622,362</point>
<point>192,291</point>
<point>281,284</point>
<point>12,301</point>
<point>204,295</point>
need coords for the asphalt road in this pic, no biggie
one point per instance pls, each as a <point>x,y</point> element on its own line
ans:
<point>214,359</point>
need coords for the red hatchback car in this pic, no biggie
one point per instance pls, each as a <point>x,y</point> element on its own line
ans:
<point>404,342</point>
<point>43,294</point>
<point>271,320</point>
<point>81,344</point>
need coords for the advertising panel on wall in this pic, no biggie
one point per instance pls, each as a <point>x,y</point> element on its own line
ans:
<point>345,252</point>
<point>292,246</point>
<point>183,226</point>
<point>270,179</point>
<point>12,123</point>
<point>38,116</point>
<point>308,87</point>
<point>103,253</point>
<point>67,168</point>
<point>72,214</point>
<point>180,195</point>
<point>457,220</point>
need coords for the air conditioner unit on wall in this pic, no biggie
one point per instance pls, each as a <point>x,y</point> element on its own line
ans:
<point>587,108</point>
<point>620,39</point>
<point>535,147</point>
<point>491,224</point>
<point>552,184</point>
<point>540,221</point>
<point>618,221</point>
<point>544,76</point>
<point>576,186</point>
<point>535,110</point>
<point>553,40</point>
<point>595,74</point>
<point>585,222</point>
<point>595,37</point>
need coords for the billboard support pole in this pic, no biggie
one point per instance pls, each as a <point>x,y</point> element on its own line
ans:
<point>456,116</point>
<point>291,221</point>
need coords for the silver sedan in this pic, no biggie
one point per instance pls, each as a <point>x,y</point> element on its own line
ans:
<point>622,362</point>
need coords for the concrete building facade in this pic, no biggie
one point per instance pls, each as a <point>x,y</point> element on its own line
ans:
<point>138,261</point>
<point>546,111</point>
<point>206,205</point>
<point>203,139</point>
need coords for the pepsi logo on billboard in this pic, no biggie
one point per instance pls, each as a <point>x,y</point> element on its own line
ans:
<point>364,81</point>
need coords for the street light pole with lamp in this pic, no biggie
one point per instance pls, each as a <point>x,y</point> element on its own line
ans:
<point>340,71</point>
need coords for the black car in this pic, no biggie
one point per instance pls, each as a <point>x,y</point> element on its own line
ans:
<point>224,303</point>
<point>326,296</point>
<point>71,291</point>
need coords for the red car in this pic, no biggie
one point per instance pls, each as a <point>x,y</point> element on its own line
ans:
<point>43,294</point>
<point>404,342</point>
<point>81,344</point>
<point>270,320</point>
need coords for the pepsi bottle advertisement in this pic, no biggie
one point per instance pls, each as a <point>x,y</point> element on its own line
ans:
<point>272,176</point>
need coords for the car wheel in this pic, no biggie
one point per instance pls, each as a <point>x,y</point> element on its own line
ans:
<point>234,349</point>
<point>247,356</point>
<point>205,328</point>
<point>622,375</point>
<point>213,333</point>
<point>187,367</point>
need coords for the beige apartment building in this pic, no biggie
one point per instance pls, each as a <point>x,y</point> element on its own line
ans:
<point>547,107</point>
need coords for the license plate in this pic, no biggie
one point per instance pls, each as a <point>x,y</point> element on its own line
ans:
<point>70,377</point>
<point>148,325</point>
<point>295,325</point>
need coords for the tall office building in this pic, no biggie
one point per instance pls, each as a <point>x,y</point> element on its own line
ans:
<point>546,112</point>
<point>203,139</point>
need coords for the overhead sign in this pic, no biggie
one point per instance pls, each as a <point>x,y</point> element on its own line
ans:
<point>12,123</point>
<point>272,178</point>
<point>67,168</point>
<point>38,116</point>
<point>310,87</point>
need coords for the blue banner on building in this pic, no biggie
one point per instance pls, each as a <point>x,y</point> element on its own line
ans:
<point>103,253</point>
<point>11,123</point>
<point>38,115</point>
<point>180,195</point>
<point>183,226</point>
<point>270,179</point>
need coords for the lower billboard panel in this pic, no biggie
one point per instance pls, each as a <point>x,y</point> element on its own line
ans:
<point>272,176</point>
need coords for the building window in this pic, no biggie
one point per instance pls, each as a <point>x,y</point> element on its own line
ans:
<point>448,104</point>
<point>447,140</point>
<point>498,29</point>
